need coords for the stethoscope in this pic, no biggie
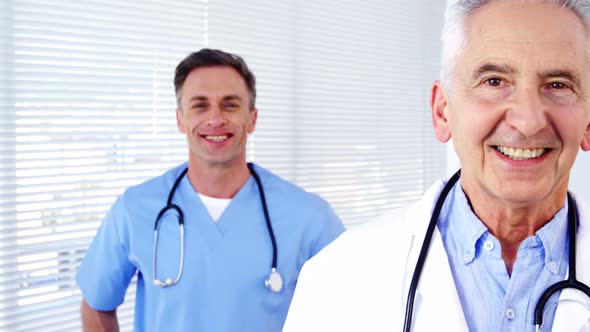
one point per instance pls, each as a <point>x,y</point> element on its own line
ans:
<point>274,281</point>
<point>570,282</point>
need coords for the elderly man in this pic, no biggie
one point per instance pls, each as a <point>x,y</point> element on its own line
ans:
<point>480,254</point>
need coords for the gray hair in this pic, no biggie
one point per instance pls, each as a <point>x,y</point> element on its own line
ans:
<point>454,35</point>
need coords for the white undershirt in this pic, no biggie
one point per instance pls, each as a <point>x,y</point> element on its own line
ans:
<point>215,206</point>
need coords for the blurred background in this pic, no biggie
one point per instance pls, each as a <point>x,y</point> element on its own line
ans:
<point>87,109</point>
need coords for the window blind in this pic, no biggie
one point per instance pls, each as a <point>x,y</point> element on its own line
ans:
<point>343,91</point>
<point>87,109</point>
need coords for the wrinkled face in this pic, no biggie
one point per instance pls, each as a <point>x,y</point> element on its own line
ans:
<point>215,115</point>
<point>518,106</point>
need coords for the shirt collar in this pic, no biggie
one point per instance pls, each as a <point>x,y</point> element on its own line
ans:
<point>554,238</point>
<point>467,229</point>
<point>464,225</point>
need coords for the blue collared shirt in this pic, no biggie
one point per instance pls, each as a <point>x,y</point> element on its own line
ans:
<point>491,299</point>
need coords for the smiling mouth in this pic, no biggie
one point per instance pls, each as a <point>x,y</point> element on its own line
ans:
<point>521,154</point>
<point>216,138</point>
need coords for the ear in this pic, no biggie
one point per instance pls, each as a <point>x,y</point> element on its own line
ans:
<point>179,121</point>
<point>585,145</point>
<point>438,106</point>
<point>253,117</point>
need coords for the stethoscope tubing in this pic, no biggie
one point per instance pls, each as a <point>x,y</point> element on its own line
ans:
<point>274,282</point>
<point>271,232</point>
<point>571,281</point>
<point>169,206</point>
<point>424,249</point>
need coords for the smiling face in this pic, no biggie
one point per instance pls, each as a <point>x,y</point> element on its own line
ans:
<point>518,105</point>
<point>214,112</point>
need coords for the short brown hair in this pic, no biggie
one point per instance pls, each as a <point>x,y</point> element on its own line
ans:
<point>209,58</point>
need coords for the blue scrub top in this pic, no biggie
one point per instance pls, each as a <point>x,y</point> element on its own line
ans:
<point>226,262</point>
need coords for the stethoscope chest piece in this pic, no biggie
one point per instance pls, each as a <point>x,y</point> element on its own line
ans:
<point>274,281</point>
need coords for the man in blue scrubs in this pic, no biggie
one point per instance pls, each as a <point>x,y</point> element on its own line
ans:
<point>228,251</point>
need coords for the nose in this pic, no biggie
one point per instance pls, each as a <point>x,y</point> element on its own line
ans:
<point>528,114</point>
<point>216,118</point>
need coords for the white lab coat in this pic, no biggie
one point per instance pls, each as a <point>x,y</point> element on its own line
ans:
<point>360,282</point>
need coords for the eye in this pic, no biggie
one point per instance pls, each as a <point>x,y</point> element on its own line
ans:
<point>558,85</point>
<point>559,88</point>
<point>560,92</point>
<point>200,107</point>
<point>493,81</point>
<point>230,105</point>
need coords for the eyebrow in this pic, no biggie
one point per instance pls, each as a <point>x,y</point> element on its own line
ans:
<point>493,67</point>
<point>232,97</point>
<point>198,98</point>
<point>225,98</point>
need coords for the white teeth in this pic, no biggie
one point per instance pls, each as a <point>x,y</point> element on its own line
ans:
<point>216,138</point>
<point>520,154</point>
<point>527,153</point>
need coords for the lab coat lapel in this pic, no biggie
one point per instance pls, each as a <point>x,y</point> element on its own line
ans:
<point>437,305</point>
<point>564,320</point>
